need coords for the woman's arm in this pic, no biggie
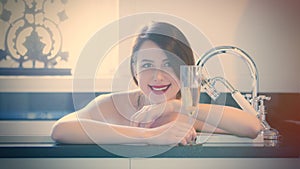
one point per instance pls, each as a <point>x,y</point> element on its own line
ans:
<point>225,119</point>
<point>218,119</point>
<point>210,118</point>
<point>230,119</point>
<point>72,130</point>
<point>200,126</point>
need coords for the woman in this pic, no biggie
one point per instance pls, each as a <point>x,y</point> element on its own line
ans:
<point>152,114</point>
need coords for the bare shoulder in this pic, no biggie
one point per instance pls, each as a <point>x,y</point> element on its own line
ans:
<point>126,100</point>
<point>114,107</point>
<point>125,96</point>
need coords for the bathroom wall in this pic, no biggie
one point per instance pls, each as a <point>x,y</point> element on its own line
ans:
<point>268,30</point>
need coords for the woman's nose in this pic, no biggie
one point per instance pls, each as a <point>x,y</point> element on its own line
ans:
<point>158,75</point>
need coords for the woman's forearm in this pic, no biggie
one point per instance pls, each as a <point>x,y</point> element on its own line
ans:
<point>232,120</point>
<point>87,131</point>
<point>226,119</point>
<point>208,128</point>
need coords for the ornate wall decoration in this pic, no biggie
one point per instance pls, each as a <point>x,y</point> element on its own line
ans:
<point>33,39</point>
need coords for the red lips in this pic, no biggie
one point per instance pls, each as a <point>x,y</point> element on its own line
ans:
<point>159,89</point>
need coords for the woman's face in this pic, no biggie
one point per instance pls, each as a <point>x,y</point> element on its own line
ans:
<point>155,76</point>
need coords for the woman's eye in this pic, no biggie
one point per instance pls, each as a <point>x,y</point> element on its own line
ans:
<point>147,65</point>
<point>167,64</point>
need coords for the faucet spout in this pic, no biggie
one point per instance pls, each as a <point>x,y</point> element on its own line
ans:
<point>240,53</point>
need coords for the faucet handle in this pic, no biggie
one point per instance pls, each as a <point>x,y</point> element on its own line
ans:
<point>262,98</point>
<point>248,97</point>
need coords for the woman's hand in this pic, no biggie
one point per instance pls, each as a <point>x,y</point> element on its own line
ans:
<point>150,113</point>
<point>176,132</point>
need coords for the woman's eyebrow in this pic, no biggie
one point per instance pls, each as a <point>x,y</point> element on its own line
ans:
<point>147,60</point>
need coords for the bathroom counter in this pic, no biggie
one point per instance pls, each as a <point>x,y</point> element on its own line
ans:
<point>19,146</point>
<point>34,155</point>
<point>30,152</point>
<point>43,147</point>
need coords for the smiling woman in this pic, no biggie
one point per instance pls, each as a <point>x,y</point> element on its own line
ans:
<point>154,73</point>
<point>152,113</point>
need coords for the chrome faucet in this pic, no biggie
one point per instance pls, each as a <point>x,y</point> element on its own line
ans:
<point>237,52</point>
<point>251,103</point>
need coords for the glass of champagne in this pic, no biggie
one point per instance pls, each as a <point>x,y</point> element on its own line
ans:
<point>190,79</point>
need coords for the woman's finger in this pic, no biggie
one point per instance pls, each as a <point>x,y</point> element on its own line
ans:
<point>191,136</point>
<point>145,125</point>
<point>183,142</point>
<point>134,124</point>
<point>132,121</point>
<point>186,136</point>
<point>135,118</point>
<point>146,115</point>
